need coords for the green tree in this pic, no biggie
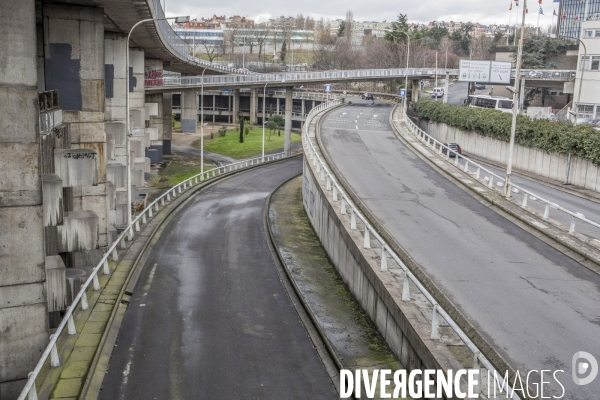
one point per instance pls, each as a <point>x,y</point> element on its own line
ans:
<point>395,34</point>
<point>541,51</point>
<point>462,39</point>
<point>241,119</point>
<point>283,51</point>
<point>271,126</point>
<point>341,29</point>
<point>278,121</point>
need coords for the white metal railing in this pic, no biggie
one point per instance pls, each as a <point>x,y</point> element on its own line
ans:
<point>436,145</point>
<point>347,206</point>
<point>51,351</point>
<point>326,76</point>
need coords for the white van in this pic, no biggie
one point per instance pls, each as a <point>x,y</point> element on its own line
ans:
<point>437,92</point>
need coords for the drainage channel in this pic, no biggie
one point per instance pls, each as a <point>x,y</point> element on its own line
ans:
<point>352,339</point>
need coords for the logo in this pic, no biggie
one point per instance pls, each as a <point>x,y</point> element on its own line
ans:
<point>585,368</point>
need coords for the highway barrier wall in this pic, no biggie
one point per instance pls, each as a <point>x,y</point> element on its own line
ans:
<point>583,173</point>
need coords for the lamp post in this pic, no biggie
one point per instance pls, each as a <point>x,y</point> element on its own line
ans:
<point>406,72</point>
<point>202,124</point>
<point>513,127</point>
<point>264,109</point>
<point>127,127</point>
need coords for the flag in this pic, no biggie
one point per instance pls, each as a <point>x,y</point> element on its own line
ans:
<point>541,11</point>
<point>510,8</point>
<point>540,1</point>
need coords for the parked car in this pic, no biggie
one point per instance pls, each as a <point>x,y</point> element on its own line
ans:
<point>366,96</point>
<point>454,147</point>
<point>437,92</point>
<point>480,86</point>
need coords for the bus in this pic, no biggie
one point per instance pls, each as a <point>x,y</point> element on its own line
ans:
<point>494,102</point>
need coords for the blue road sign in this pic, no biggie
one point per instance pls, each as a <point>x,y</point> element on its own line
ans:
<point>402,92</point>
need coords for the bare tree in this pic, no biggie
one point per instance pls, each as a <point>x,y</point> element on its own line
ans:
<point>300,21</point>
<point>309,24</point>
<point>230,37</point>
<point>213,52</point>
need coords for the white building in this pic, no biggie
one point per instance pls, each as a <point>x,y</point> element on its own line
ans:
<point>587,103</point>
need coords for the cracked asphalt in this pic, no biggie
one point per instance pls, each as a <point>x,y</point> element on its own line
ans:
<point>535,305</point>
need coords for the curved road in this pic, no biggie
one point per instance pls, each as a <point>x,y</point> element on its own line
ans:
<point>209,318</point>
<point>535,305</point>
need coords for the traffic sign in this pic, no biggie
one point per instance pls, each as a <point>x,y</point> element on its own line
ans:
<point>402,92</point>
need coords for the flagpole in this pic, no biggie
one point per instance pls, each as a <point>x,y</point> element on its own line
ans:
<point>538,22</point>
<point>585,16</point>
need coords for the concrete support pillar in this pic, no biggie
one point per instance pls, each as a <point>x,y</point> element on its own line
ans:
<point>289,105</point>
<point>74,64</point>
<point>167,100</point>
<point>115,76</point>
<point>236,105</point>
<point>253,106</point>
<point>415,90</point>
<point>189,111</point>
<point>23,309</point>
<point>214,104</point>
<point>276,105</point>
<point>303,111</point>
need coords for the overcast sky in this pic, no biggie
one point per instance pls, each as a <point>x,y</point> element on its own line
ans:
<point>483,11</point>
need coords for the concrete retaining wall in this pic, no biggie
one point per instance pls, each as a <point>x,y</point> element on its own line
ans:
<point>527,159</point>
<point>402,324</point>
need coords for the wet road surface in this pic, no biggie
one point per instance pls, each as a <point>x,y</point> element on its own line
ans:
<point>536,306</point>
<point>209,318</point>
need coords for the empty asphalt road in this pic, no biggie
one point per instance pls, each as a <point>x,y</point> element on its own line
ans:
<point>536,306</point>
<point>209,318</point>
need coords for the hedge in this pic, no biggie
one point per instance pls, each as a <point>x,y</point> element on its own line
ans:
<point>554,137</point>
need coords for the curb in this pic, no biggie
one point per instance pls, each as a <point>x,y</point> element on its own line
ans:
<point>93,383</point>
<point>317,335</point>
<point>542,181</point>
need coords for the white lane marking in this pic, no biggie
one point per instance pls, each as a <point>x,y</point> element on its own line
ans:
<point>344,113</point>
<point>126,372</point>
<point>356,122</point>
<point>148,282</point>
<point>356,127</point>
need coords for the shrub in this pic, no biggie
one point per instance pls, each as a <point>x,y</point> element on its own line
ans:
<point>553,137</point>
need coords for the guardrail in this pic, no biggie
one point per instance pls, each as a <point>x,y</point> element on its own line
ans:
<point>180,46</point>
<point>326,76</point>
<point>347,206</point>
<point>436,145</point>
<point>51,351</point>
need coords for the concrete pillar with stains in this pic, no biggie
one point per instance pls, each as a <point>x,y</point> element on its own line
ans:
<point>189,111</point>
<point>73,46</point>
<point>167,135</point>
<point>23,309</point>
<point>253,106</point>
<point>289,105</point>
<point>235,106</point>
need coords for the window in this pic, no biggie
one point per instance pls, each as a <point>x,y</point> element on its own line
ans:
<point>590,63</point>
<point>585,111</point>
<point>505,104</point>
<point>589,33</point>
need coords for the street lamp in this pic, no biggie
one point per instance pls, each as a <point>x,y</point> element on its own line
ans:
<point>202,124</point>
<point>406,72</point>
<point>264,119</point>
<point>127,129</point>
<point>513,127</point>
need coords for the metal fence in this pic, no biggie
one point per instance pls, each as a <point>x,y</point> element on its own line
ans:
<point>51,353</point>
<point>469,164</point>
<point>331,76</point>
<point>346,207</point>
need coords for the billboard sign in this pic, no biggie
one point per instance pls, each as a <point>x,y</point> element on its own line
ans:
<point>484,71</point>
